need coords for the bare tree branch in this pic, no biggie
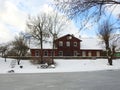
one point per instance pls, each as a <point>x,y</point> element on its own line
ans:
<point>56,25</point>
<point>86,9</point>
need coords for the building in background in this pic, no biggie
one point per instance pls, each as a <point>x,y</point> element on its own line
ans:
<point>70,46</point>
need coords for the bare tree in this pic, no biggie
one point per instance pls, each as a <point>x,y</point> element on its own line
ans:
<point>4,50</point>
<point>107,34</point>
<point>56,25</point>
<point>87,10</point>
<point>20,47</point>
<point>38,28</point>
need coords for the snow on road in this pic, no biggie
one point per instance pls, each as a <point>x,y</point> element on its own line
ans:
<point>62,65</point>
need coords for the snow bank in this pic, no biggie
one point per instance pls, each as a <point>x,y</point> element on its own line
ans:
<point>62,65</point>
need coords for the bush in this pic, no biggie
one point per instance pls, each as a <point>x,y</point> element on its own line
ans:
<point>35,60</point>
<point>48,60</point>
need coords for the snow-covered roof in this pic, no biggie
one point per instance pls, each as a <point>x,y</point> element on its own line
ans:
<point>45,46</point>
<point>86,44</point>
<point>90,43</point>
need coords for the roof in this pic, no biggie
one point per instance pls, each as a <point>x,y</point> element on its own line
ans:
<point>68,35</point>
<point>33,44</point>
<point>45,46</point>
<point>91,43</point>
<point>86,44</point>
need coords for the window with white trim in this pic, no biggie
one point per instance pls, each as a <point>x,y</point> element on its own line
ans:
<point>89,53</point>
<point>75,44</point>
<point>75,53</point>
<point>68,44</point>
<point>69,37</point>
<point>45,53</point>
<point>52,53</point>
<point>98,53</point>
<point>60,43</point>
<point>60,53</point>
<point>83,53</point>
<point>37,53</point>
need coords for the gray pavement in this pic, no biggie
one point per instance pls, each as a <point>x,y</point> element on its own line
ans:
<point>99,80</point>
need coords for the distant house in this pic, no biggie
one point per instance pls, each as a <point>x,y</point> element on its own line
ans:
<point>69,45</point>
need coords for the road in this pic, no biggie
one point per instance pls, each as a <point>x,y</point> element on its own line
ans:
<point>99,80</point>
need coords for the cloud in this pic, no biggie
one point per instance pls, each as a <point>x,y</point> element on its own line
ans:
<point>5,34</point>
<point>33,7</point>
<point>11,15</point>
<point>12,21</point>
<point>2,3</point>
<point>71,29</point>
<point>115,9</point>
<point>46,8</point>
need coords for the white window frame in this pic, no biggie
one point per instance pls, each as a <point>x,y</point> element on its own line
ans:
<point>60,43</point>
<point>98,54</point>
<point>89,53</point>
<point>75,53</point>
<point>69,37</point>
<point>52,53</point>
<point>75,44</point>
<point>45,53</point>
<point>60,53</point>
<point>83,53</point>
<point>37,53</point>
<point>68,43</point>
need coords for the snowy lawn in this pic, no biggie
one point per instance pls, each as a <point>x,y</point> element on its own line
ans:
<point>62,65</point>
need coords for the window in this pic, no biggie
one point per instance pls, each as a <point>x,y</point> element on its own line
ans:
<point>68,44</point>
<point>75,44</point>
<point>69,37</point>
<point>45,53</point>
<point>89,54</point>
<point>98,53</point>
<point>52,53</point>
<point>83,53</point>
<point>60,53</point>
<point>75,53</point>
<point>60,43</point>
<point>37,53</point>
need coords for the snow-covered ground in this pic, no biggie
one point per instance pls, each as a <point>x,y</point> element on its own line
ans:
<point>62,65</point>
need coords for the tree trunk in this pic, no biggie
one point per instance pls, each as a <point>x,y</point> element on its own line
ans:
<point>110,61</point>
<point>5,59</point>
<point>18,62</point>
<point>109,55</point>
<point>2,54</point>
<point>41,57</point>
<point>18,59</point>
<point>41,44</point>
<point>53,51</point>
<point>52,62</point>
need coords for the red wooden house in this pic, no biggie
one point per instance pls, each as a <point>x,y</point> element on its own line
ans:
<point>69,45</point>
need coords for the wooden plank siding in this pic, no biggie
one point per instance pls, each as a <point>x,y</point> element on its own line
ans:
<point>68,45</point>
